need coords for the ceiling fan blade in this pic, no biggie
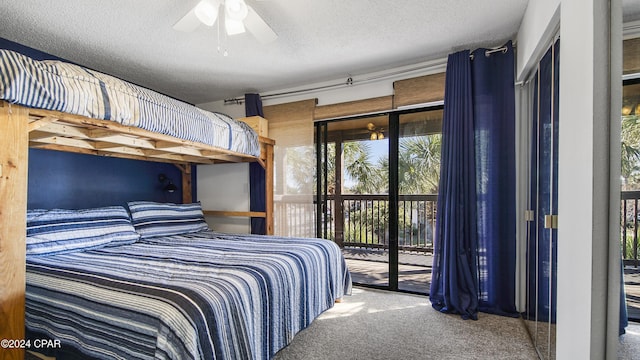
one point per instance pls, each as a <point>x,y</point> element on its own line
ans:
<point>188,23</point>
<point>258,27</point>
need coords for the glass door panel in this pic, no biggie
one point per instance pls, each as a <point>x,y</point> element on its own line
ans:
<point>630,195</point>
<point>418,179</point>
<point>354,194</point>
<point>542,214</point>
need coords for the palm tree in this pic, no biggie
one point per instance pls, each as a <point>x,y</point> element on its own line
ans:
<point>419,164</point>
<point>358,166</point>
<point>418,167</point>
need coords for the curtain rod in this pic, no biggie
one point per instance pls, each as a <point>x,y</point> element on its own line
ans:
<point>502,49</point>
<point>350,81</point>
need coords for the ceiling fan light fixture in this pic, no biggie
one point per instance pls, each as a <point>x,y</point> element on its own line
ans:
<point>206,12</point>
<point>236,10</point>
<point>237,17</point>
<point>233,27</point>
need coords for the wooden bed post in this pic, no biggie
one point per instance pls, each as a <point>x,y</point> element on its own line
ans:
<point>269,189</point>
<point>14,151</point>
<point>187,187</point>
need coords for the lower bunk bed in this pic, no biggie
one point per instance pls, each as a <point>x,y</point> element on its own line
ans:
<point>154,282</point>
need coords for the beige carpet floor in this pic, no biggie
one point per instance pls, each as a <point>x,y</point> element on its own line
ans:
<point>373,324</point>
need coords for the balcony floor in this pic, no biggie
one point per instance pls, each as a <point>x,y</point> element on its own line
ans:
<point>632,288</point>
<point>370,266</point>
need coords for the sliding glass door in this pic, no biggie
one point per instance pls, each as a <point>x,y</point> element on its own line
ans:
<point>418,180</point>
<point>377,184</point>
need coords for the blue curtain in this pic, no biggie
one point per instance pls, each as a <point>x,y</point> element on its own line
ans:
<point>253,107</point>
<point>474,251</point>
<point>454,283</point>
<point>494,120</point>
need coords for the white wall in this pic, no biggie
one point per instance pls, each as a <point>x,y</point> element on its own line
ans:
<point>576,182</point>
<point>225,187</point>
<point>540,23</point>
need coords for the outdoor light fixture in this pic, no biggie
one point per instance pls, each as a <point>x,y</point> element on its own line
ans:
<point>375,134</point>
<point>633,109</point>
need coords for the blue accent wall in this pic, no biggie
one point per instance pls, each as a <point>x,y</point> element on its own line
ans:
<point>73,181</point>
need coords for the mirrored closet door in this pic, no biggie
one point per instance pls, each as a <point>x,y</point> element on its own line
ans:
<point>542,235</point>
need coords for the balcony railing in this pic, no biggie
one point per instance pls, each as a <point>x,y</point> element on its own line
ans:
<point>365,221</point>
<point>294,216</point>
<point>362,221</point>
<point>630,219</point>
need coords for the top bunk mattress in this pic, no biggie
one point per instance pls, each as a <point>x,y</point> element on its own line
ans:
<point>69,88</point>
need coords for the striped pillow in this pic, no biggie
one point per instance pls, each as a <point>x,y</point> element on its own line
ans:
<point>60,231</point>
<point>163,219</point>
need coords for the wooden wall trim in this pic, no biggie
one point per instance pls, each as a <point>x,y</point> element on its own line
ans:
<point>224,213</point>
<point>631,56</point>
<point>291,124</point>
<point>284,112</point>
<point>382,103</point>
<point>14,150</point>
<point>419,90</point>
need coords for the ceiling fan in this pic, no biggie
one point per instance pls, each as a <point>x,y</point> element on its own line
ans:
<point>236,16</point>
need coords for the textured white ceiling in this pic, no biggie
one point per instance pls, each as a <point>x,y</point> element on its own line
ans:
<point>318,40</point>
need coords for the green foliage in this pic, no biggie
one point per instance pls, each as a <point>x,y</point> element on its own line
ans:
<point>366,222</point>
<point>627,248</point>
<point>418,166</point>
<point>630,152</point>
<point>357,164</point>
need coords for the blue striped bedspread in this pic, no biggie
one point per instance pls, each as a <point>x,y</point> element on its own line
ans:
<point>203,295</point>
<point>69,88</point>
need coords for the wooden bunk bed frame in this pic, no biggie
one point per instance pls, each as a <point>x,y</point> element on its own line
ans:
<point>22,127</point>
